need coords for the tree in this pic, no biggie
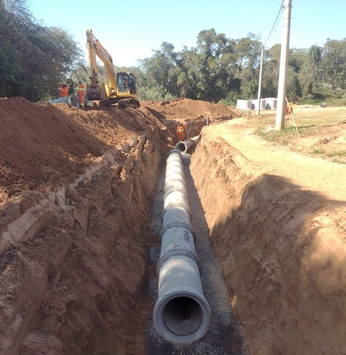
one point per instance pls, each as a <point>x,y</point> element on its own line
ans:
<point>34,58</point>
<point>333,62</point>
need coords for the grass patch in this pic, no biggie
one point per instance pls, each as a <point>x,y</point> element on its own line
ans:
<point>283,137</point>
<point>340,153</point>
<point>318,151</point>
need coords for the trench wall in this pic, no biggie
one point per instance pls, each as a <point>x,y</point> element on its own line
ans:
<point>274,242</point>
<point>75,283</point>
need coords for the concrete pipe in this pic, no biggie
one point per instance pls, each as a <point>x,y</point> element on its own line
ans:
<point>181,313</point>
<point>61,100</point>
<point>175,179</point>
<point>75,101</point>
<point>71,100</point>
<point>177,241</point>
<point>184,146</point>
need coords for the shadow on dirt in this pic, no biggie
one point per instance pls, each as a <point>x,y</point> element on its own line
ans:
<point>282,256</point>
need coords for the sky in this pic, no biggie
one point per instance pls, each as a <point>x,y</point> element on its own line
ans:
<point>132,30</point>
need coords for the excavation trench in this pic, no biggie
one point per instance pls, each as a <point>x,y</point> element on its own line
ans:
<point>81,220</point>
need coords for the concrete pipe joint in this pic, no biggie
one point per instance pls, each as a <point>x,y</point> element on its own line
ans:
<point>177,241</point>
<point>174,152</point>
<point>173,186</point>
<point>181,313</point>
<point>176,217</point>
<point>175,199</point>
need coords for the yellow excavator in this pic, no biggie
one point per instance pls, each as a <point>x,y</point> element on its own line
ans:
<point>120,88</point>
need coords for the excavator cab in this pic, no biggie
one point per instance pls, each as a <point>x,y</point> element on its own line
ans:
<point>126,83</point>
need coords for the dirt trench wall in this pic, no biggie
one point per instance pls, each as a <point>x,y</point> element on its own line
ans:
<point>275,244</point>
<point>75,286</point>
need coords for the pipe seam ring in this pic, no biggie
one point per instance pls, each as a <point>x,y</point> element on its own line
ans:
<point>178,224</point>
<point>182,206</point>
<point>175,179</point>
<point>174,151</point>
<point>175,189</point>
<point>178,252</point>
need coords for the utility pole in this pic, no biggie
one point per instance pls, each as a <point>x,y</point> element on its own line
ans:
<point>282,89</point>
<point>260,82</point>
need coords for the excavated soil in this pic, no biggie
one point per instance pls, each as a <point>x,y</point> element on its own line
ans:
<point>76,195</point>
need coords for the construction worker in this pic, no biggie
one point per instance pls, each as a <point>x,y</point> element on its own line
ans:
<point>63,90</point>
<point>181,132</point>
<point>289,107</point>
<point>81,92</point>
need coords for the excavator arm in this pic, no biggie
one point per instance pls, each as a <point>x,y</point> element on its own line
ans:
<point>96,48</point>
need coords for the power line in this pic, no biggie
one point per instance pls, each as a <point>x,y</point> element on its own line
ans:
<point>277,17</point>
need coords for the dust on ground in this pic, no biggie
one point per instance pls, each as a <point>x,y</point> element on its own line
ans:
<point>75,204</point>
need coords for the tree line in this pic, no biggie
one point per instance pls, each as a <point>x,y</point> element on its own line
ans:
<point>35,58</point>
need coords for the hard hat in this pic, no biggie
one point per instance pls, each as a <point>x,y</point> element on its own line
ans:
<point>80,81</point>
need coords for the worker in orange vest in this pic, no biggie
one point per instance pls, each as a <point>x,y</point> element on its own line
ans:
<point>81,92</point>
<point>289,107</point>
<point>181,132</point>
<point>63,89</point>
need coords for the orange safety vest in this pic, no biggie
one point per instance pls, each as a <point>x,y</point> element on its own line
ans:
<point>81,94</point>
<point>63,91</point>
<point>181,131</point>
<point>81,89</point>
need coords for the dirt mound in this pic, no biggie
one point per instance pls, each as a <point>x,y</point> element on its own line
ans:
<point>194,113</point>
<point>183,108</point>
<point>43,146</point>
<point>76,191</point>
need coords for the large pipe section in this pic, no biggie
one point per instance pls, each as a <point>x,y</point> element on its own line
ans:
<point>184,146</point>
<point>181,313</point>
<point>71,100</point>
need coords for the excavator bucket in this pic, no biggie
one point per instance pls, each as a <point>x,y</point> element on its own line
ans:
<point>98,93</point>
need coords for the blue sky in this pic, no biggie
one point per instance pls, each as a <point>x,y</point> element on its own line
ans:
<point>131,30</point>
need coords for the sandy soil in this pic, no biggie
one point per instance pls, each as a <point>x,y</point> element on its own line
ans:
<point>76,192</point>
<point>278,228</point>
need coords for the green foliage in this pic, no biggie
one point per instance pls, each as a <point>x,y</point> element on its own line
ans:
<point>154,93</point>
<point>220,69</point>
<point>34,58</point>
